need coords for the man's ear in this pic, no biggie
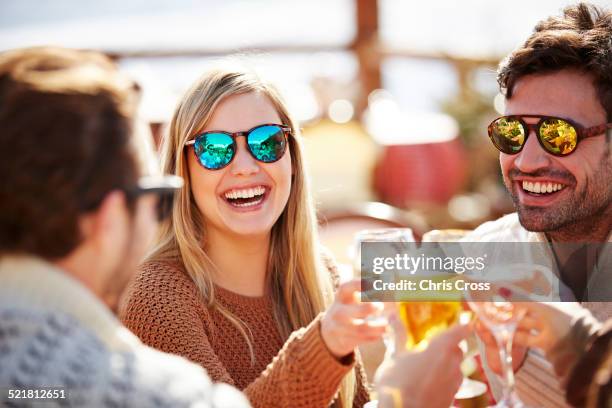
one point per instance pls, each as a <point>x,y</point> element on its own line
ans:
<point>107,225</point>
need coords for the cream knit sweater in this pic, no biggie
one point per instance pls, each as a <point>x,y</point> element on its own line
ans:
<point>55,333</point>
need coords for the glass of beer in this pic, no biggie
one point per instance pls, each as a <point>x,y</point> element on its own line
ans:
<point>424,320</point>
<point>444,315</point>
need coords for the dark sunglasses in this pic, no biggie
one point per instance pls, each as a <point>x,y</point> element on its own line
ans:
<point>557,136</point>
<point>163,187</point>
<point>216,149</point>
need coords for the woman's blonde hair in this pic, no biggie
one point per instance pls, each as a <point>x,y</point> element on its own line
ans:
<point>299,283</point>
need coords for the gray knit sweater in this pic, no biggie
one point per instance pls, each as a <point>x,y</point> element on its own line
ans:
<point>55,333</point>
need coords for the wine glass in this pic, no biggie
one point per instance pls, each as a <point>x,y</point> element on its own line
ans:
<point>397,235</point>
<point>501,316</point>
<point>403,237</point>
<point>502,319</point>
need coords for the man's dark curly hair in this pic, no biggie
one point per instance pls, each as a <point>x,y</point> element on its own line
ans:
<point>579,39</point>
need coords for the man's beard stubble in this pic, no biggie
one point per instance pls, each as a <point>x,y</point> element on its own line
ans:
<point>578,214</point>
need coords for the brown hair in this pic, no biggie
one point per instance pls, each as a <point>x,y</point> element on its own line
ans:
<point>66,120</point>
<point>580,39</point>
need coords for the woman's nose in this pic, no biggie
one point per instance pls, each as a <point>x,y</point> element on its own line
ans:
<point>244,164</point>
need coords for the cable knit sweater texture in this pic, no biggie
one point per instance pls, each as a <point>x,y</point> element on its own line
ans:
<point>55,333</point>
<point>163,307</point>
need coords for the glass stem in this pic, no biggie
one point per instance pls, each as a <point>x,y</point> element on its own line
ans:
<point>389,342</point>
<point>504,344</point>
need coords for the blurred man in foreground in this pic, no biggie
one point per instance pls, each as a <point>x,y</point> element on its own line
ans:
<point>75,218</point>
<point>555,159</point>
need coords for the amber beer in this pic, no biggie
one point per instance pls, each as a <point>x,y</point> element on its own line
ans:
<point>424,320</point>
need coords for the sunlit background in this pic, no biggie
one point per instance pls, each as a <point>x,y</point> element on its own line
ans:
<point>393,95</point>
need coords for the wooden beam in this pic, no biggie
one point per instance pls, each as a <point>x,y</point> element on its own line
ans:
<point>366,48</point>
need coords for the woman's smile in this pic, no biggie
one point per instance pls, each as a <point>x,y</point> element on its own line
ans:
<point>244,198</point>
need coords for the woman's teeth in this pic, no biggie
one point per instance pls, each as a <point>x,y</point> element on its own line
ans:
<point>246,197</point>
<point>542,188</point>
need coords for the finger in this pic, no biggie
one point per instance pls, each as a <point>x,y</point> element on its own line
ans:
<point>479,327</point>
<point>363,310</point>
<point>361,339</point>
<point>527,333</point>
<point>538,310</point>
<point>456,355</point>
<point>400,334</point>
<point>456,376</point>
<point>347,291</point>
<point>352,340</point>
<point>528,322</point>
<point>484,334</point>
<point>453,335</point>
<point>523,339</point>
<point>452,356</point>
<point>342,314</point>
<point>457,380</point>
<point>349,316</point>
<point>514,293</point>
<point>533,339</point>
<point>367,329</point>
